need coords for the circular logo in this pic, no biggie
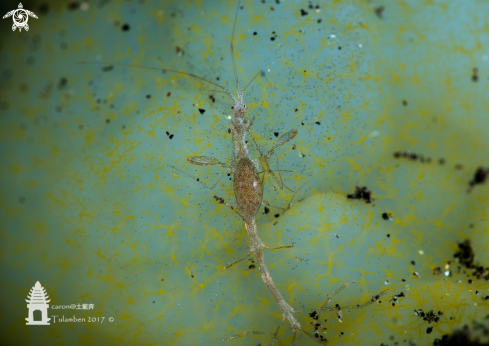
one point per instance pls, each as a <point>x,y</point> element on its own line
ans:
<point>20,17</point>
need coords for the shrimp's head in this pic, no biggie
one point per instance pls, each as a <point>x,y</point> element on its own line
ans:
<point>239,106</point>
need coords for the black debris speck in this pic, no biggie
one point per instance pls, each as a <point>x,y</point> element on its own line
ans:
<point>361,193</point>
<point>465,255</point>
<point>219,199</point>
<point>303,12</point>
<point>125,27</point>
<point>475,76</point>
<point>201,110</point>
<point>379,11</point>
<point>62,83</point>
<point>179,51</point>
<point>412,156</point>
<point>314,315</point>
<point>480,177</point>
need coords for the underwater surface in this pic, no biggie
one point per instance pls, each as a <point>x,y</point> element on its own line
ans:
<point>391,103</point>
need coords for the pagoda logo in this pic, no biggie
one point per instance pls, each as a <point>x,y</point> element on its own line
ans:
<point>38,302</point>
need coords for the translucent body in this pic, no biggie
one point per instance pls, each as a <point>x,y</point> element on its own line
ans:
<point>248,189</point>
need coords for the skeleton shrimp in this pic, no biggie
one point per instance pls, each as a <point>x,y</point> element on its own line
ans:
<point>248,189</point>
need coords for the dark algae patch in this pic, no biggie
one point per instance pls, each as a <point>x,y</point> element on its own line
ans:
<point>361,193</point>
<point>466,258</point>
<point>460,337</point>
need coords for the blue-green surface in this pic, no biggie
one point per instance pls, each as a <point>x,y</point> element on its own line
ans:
<point>89,207</point>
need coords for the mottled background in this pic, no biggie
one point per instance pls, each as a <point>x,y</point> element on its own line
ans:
<point>89,207</point>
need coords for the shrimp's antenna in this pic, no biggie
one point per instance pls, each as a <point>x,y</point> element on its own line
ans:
<point>232,47</point>
<point>251,81</point>
<point>153,68</point>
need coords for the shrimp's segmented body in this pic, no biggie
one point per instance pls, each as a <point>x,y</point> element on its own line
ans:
<point>248,189</point>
